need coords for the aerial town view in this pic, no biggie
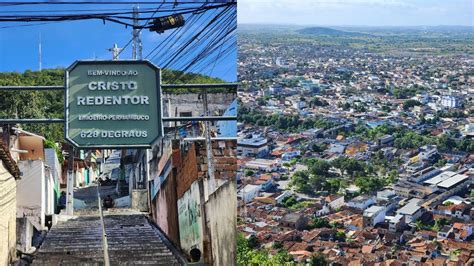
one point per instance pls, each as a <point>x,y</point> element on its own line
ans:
<point>355,145</point>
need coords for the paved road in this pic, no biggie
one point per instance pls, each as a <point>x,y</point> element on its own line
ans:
<point>132,240</point>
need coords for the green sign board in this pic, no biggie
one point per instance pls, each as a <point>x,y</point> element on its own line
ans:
<point>113,104</point>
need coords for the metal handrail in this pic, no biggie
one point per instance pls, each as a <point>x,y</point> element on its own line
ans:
<point>164,86</point>
<point>165,119</point>
<point>105,245</point>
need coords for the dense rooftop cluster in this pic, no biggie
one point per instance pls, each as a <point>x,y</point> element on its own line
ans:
<point>355,154</point>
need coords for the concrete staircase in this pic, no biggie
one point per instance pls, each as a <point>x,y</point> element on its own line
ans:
<point>132,240</point>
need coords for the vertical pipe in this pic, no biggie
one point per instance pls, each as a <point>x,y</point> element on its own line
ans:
<point>70,183</point>
<point>105,244</point>
<point>210,157</point>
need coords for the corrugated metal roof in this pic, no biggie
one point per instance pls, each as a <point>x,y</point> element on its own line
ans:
<point>453,181</point>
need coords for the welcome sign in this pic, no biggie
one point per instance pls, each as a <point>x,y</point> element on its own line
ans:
<point>113,104</point>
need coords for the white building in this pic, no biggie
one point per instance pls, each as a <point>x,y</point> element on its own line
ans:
<point>412,210</point>
<point>299,104</point>
<point>35,200</point>
<point>252,146</point>
<point>361,202</point>
<point>450,101</point>
<point>263,165</point>
<point>396,223</point>
<point>335,201</point>
<point>374,215</point>
<point>248,193</point>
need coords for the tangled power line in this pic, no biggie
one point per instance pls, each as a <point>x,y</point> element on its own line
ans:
<point>206,40</point>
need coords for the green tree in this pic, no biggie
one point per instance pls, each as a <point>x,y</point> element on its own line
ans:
<point>320,167</point>
<point>446,143</point>
<point>318,259</point>
<point>249,255</point>
<point>409,104</point>
<point>318,222</point>
<point>340,236</point>
<point>300,180</point>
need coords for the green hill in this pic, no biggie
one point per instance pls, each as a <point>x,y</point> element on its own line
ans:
<point>321,31</point>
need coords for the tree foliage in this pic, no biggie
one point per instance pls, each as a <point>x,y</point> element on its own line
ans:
<point>247,255</point>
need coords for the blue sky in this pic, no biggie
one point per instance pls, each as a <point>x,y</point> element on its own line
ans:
<point>357,12</point>
<point>65,42</point>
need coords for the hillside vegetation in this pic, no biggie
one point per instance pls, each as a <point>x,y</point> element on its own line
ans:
<point>329,32</point>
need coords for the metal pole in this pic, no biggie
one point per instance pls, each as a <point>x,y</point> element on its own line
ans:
<point>32,121</point>
<point>210,157</point>
<point>70,183</point>
<point>135,32</point>
<point>32,88</point>
<point>105,243</point>
<point>200,86</point>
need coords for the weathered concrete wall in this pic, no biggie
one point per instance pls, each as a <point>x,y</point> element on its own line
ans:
<point>139,199</point>
<point>221,211</point>
<point>190,219</point>
<point>24,233</point>
<point>30,192</point>
<point>7,216</point>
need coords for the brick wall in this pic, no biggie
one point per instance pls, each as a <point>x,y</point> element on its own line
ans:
<point>187,172</point>
<point>165,209</point>
<point>225,159</point>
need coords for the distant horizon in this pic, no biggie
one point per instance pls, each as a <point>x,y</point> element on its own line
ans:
<point>341,25</point>
<point>383,13</point>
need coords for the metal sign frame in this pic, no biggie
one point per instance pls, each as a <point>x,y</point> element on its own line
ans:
<point>159,121</point>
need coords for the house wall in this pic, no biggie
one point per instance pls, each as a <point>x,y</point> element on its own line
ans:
<point>380,217</point>
<point>187,169</point>
<point>7,216</point>
<point>50,199</point>
<point>165,210</point>
<point>337,203</point>
<point>192,102</point>
<point>225,159</point>
<point>30,192</point>
<point>221,209</point>
<point>51,160</point>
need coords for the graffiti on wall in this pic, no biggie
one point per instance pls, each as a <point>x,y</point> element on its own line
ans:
<point>189,217</point>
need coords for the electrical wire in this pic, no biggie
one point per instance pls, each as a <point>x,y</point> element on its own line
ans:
<point>116,17</point>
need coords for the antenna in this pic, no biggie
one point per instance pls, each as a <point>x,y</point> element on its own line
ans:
<point>39,53</point>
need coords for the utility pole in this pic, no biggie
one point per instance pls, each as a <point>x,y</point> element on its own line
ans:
<point>137,41</point>
<point>115,51</point>
<point>70,183</point>
<point>39,53</point>
<point>210,157</point>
